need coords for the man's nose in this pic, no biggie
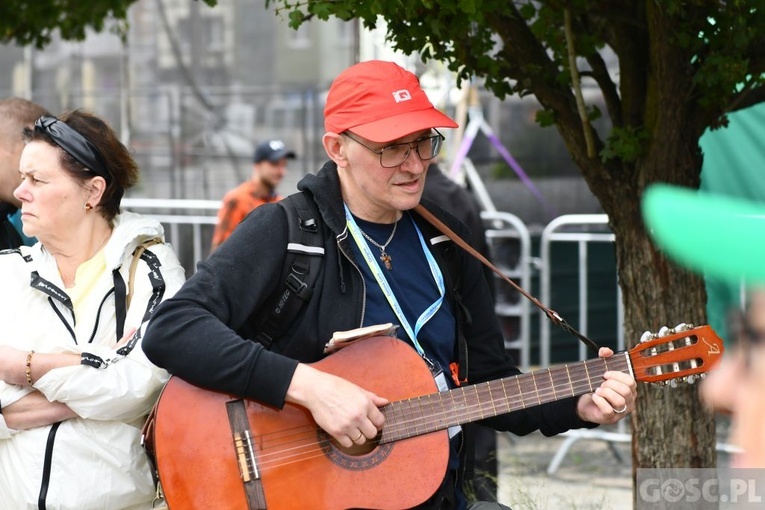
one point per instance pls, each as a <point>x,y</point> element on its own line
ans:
<point>413,162</point>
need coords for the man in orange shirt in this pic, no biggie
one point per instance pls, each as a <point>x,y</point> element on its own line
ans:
<point>268,169</point>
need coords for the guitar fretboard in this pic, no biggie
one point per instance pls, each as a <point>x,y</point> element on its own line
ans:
<point>439,411</point>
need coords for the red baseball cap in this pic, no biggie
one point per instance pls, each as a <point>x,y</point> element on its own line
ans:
<point>380,101</point>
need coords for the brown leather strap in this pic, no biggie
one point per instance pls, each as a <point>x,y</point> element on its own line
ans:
<point>551,314</point>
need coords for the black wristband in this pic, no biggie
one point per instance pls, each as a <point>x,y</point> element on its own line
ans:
<point>91,360</point>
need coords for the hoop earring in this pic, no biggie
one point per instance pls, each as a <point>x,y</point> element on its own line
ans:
<point>88,207</point>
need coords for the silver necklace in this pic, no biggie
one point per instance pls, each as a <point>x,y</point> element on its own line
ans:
<point>386,259</point>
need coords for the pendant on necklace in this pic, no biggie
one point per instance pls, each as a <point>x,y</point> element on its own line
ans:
<point>386,260</point>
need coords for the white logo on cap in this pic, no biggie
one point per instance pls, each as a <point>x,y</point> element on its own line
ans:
<point>276,145</point>
<point>402,95</point>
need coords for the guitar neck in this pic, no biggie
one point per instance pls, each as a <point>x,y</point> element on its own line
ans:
<point>439,411</point>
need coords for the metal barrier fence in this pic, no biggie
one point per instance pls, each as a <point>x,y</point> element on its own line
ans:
<point>582,229</point>
<point>188,225</point>
<point>574,228</point>
<point>509,243</point>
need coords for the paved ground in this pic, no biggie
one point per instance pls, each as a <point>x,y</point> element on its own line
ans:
<point>593,475</point>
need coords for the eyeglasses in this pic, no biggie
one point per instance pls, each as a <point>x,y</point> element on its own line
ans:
<point>74,144</point>
<point>395,154</point>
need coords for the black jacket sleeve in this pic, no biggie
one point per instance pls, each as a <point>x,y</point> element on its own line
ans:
<point>193,334</point>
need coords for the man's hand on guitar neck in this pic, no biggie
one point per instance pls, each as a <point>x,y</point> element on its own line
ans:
<point>612,401</point>
<point>345,411</point>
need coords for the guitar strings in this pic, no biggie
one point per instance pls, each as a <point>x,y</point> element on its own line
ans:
<point>285,447</point>
<point>309,432</point>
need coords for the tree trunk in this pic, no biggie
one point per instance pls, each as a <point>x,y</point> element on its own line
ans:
<point>670,426</point>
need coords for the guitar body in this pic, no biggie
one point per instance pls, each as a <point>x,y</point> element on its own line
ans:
<point>298,465</point>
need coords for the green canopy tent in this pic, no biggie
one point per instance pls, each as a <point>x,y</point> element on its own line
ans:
<point>734,165</point>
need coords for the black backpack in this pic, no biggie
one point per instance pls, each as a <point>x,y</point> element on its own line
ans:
<point>305,253</point>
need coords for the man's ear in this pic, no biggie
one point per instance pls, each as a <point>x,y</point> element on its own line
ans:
<point>335,147</point>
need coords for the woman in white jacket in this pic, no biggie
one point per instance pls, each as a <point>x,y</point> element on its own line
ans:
<point>75,386</point>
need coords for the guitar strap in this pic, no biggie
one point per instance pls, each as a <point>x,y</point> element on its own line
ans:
<point>551,314</point>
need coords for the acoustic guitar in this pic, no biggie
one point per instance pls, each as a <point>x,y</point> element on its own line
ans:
<point>215,451</point>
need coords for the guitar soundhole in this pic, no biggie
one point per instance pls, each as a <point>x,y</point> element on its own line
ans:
<point>356,458</point>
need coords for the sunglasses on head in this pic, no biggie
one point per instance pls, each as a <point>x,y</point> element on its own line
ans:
<point>74,144</point>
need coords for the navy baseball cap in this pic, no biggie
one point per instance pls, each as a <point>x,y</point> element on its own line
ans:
<point>272,150</point>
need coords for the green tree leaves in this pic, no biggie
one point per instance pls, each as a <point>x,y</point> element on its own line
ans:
<point>34,22</point>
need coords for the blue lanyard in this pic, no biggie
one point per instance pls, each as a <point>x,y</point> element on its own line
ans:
<point>382,281</point>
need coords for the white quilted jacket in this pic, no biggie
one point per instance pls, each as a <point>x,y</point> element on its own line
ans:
<point>95,461</point>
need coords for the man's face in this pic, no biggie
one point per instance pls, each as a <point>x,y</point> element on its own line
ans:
<point>271,173</point>
<point>376,193</point>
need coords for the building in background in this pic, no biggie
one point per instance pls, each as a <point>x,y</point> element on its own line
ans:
<point>192,88</point>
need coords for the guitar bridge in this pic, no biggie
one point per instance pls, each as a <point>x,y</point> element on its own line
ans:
<point>245,456</point>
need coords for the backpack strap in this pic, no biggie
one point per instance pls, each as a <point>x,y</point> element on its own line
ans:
<point>124,294</point>
<point>305,254</point>
<point>134,264</point>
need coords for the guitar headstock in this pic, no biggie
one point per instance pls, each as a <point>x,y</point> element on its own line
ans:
<point>683,352</point>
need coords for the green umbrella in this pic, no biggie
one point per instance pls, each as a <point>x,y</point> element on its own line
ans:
<point>719,236</point>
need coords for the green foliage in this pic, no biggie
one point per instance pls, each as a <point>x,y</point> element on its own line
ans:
<point>714,49</point>
<point>626,144</point>
<point>33,22</point>
<point>545,118</point>
<point>722,41</point>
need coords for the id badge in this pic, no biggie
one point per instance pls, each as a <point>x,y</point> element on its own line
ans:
<point>440,378</point>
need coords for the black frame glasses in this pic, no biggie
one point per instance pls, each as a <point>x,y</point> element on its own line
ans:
<point>392,155</point>
<point>74,144</point>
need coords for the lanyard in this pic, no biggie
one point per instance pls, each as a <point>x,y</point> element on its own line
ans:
<point>428,314</point>
<point>382,281</point>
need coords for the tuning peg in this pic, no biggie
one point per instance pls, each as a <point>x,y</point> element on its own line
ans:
<point>646,337</point>
<point>664,331</point>
<point>691,379</point>
<point>683,327</point>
